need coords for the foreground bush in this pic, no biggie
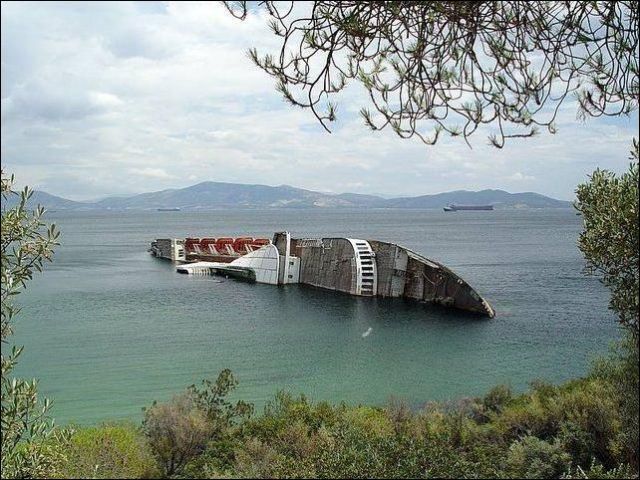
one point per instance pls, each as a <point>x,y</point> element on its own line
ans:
<point>535,458</point>
<point>610,205</point>
<point>621,370</point>
<point>108,451</point>
<point>26,244</point>
<point>572,430</point>
<point>195,426</point>
<point>579,429</point>
<point>177,432</point>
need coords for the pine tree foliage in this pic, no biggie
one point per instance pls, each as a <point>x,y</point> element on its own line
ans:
<point>450,67</point>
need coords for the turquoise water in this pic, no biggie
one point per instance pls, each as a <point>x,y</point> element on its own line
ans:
<point>108,328</point>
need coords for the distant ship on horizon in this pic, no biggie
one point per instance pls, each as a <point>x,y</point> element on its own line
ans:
<point>454,208</point>
<point>171,209</point>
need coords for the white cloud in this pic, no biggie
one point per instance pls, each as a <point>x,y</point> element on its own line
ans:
<point>150,172</point>
<point>520,177</point>
<point>114,98</point>
<point>104,100</point>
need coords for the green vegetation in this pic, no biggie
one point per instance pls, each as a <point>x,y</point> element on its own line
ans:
<point>107,451</point>
<point>26,243</point>
<point>548,432</point>
<point>609,242</point>
<point>181,430</point>
<point>574,430</point>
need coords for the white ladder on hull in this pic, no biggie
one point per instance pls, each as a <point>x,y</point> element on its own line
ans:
<point>366,271</point>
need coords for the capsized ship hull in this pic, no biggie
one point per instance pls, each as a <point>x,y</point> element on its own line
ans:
<point>355,266</point>
<point>407,274</point>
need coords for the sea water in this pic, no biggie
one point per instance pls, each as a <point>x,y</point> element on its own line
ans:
<point>108,328</point>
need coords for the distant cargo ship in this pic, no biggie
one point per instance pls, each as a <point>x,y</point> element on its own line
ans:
<point>172,209</point>
<point>455,208</point>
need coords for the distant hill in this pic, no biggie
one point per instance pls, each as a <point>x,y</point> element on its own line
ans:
<point>227,195</point>
<point>218,195</point>
<point>363,200</point>
<point>497,198</point>
<point>50,202</point>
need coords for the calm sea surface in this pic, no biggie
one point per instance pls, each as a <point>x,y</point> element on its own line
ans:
<point>108,328</point>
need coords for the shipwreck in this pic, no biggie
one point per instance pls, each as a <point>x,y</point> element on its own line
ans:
<point>359,267</point>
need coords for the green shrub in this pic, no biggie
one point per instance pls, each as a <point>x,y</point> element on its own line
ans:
<point>399,413</point>
<point>609,204</point>
<point>598,471</point>
<point>43,457</point>
<point>572,429</point>
<point>370,420</point>
<point>590,408</point>
<point>181,430</point>
<point>579,443</point>
<point>351,453</point>
<point>285,409</point>
<point>217,459</point>
<point>535,458</point>
<point>211,398</point>
<point>256,459</point>
<point>109,451</point>
<point>497,398</point>
<point>530,415</point>
<point>178,431</point>
<point>26,243</point>
<point>620,370</point>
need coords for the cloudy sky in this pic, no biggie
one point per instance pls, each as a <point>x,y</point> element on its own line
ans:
<point>120,98</point>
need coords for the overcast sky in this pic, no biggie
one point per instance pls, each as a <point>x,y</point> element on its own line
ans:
<point>120,98</point>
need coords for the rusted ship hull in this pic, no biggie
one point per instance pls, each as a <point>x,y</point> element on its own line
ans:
<point>404,273</point>
<point>354,266</point>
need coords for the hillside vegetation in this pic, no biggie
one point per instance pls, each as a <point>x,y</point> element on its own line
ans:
<point>574,430</point>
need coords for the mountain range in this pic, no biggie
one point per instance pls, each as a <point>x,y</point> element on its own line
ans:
<point>219,195</point>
